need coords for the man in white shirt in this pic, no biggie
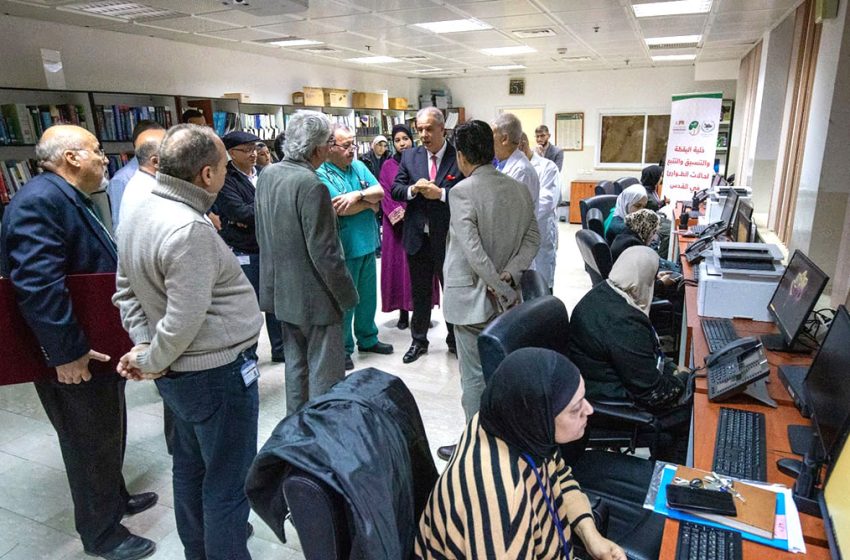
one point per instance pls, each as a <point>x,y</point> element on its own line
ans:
<point>143,180</point>
<point>547,218</point>
<point>507,134</point>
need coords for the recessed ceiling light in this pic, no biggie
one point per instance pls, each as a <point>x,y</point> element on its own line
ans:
<point>290,41</point>
<point>320,50</point>
<point>533,33</point>
<point>671,57</point>
<point>507,67</point>
<point>373,60</point>
<point>508,51</point>
<point>453,26</point>
<point>675,8</point>
<point>414,57</point>
<point>429,70</point>
<point>577,59</point>
<point>674,40</point>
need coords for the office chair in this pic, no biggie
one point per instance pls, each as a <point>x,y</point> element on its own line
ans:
<point>320,516</point>
<point>544,323</point>
<point>603,201</point>
<point>596,254</point>
<point>625,182</point>
<point>532,285</point>
<point>605,187</point>
<point>596,221</point>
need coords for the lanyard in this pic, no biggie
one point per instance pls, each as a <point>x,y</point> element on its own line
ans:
<point>565,544</point>
<point>102,227</point>
<point>659,365</point>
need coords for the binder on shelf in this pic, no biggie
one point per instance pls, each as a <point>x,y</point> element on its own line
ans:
<point>91,297</point>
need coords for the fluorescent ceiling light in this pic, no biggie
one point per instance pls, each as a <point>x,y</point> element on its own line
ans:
<point>294,42</point>
<point>453,26</point>
<point>675,40</point>
<point>674,8</point>
<point>577,59</point>
<point>509,51</point>
<point>373,60</point>
<point>320,50</point>
<point>669,57</point>
<point>507,67</point>
<point>533,33</point>
<point>429,70</point>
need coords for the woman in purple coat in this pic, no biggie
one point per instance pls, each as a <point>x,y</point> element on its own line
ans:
<point>395,278</point>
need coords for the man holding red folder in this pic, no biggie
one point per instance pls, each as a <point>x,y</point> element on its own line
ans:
<point>52,229</point>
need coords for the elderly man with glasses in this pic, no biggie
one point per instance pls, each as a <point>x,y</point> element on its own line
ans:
<point>235,207</point>
<point>356,194</point>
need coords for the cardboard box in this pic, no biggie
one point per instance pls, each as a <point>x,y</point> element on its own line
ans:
<point>240,97</point>
<point>366,100</point>
<point>310,97</point>
<point>397,103</point>
<point>335,97</point>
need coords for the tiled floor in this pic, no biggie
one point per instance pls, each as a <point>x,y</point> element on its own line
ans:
<point>36,519</point>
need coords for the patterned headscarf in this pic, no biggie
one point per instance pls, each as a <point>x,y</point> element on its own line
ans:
<point>643,223</point>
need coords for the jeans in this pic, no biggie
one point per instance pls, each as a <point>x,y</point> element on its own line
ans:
<point>215,420</point>
<point>273,326</point>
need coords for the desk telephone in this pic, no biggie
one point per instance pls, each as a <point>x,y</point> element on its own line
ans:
<point>694,251</point>
<point>734,367</point>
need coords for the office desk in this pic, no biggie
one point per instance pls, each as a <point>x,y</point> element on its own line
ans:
<point>706,416</point>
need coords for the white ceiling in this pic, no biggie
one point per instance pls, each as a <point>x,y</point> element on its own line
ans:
<point>606,31</point>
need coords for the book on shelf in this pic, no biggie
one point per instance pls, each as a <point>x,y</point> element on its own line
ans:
<point>19,123</point>
<point>14,174</point>
<point>367,125</point>
<point>224,122</point>
<point>115,123</point>
<point>117,161</point>
<point>262,125</point>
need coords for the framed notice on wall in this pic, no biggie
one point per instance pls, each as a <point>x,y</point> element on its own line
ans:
<point>569,131</point>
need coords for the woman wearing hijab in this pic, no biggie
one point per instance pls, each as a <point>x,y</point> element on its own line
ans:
<point>614,344</point>
<point>630,200</point>
<point>640,229</point>
<point>651,178</point>
<point>506,492</point>
<point>380,153</point>
<point>395,279</point>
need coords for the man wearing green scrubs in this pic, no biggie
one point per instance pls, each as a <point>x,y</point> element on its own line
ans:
<point>355,194</point>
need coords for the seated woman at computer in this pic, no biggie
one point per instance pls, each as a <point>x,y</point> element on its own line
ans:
<point>614,345</point>
<point>506,492</point>
<point>630,200</point>
<point>641,229</point>
<point>651,178</point>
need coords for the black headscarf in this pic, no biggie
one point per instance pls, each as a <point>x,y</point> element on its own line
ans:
<point>528,389</point>
<point>650,176</point>
<point>400,128</point>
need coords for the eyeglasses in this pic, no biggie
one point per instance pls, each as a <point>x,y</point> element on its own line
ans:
<point>347,147</point>
<point>246,150</point>
<point>97,151</point>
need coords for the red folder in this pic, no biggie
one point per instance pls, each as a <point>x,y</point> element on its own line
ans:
<point>21,359</point>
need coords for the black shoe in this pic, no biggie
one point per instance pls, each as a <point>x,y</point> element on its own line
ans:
<point>416,349</point>
<point>445,452</point>
<point>377,348</point>
<point>403,320</point>
<point>133,548</point>
<point>278,358</point>
<point>137,503</point>
<point>349,363</point>
<point>452,349</point>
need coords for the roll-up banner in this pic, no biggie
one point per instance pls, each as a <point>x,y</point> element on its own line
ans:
<point>691,144</point>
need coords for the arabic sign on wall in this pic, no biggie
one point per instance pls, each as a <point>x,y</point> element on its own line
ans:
<point>691,144</point>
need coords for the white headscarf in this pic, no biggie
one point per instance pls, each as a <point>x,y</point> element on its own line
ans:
<point>633,276</point>
<point>628,198</point>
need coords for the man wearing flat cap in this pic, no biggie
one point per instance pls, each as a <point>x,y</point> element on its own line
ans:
<point>235,207</point>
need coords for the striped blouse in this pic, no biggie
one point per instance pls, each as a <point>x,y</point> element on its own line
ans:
<point>487,504</point>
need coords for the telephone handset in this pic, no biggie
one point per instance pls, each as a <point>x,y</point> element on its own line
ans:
<point>715,229</point>
<point>694,251</point>
<point>698,198</point>
<point>735,366</point>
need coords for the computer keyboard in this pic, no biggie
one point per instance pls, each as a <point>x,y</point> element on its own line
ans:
<point>740,448</point>
<point>701,542</point>
<point>718,333</point>
<point>697,230</point>
<point>735,264</point>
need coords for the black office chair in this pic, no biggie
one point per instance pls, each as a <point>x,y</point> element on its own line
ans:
<point>603,201</point>
<point>596,221</point>
<point>605,187</point>
<point>625,182</point>
<point>544,323</point>
<point>532,285</point>
<point>320,516</point>
<point>596,254</point>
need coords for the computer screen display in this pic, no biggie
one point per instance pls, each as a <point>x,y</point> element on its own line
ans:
<point>745,213</point>
<point>827,384</point>
<point>796,295</point>
<point>745,226</point>
<point>729,207</point>
<point>836,499</point>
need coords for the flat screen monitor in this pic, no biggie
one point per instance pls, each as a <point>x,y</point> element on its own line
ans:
<point>835,503</point>
<point>796,295</point>
<point>744,214</point>
<point>729,205</point>
<point>827,385</point>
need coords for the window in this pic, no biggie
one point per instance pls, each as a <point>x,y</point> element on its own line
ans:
<point>632,140</point>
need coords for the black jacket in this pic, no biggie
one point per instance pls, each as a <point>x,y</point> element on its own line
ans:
<point>614,347</point>
<point>386,478</point>
<point>235,207</point>
<point>374,163</point>
<point>625,239</point>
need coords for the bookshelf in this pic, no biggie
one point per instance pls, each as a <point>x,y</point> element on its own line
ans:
<point>724,135</point>
<point>221,114</point>
<point>265,121</point>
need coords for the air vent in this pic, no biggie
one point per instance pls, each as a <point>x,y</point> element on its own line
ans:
<point>320,50</point>
<point>414,58</point>
<point>534,33</point>
<point>666,46</point>
<point>576,59</point>
<point>127,11</point>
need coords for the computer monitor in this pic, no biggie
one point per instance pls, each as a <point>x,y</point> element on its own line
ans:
<point>827,386</point>
<point>835,503</point>
<point>744,214</point>
<point>729,206</point>
<point>796,295</point>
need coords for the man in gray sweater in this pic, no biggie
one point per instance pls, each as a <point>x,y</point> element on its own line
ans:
<point>303,277</point>
<point>195,321</point>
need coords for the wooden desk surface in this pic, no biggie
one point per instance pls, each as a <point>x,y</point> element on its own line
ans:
<point>706,416</point>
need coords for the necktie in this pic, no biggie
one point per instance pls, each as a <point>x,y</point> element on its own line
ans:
<point>432,173</point>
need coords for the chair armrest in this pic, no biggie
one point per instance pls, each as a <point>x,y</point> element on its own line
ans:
<point>623,410</point>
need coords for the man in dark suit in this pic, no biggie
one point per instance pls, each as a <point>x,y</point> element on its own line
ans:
<point>425,177</point>
<point>53,229</point>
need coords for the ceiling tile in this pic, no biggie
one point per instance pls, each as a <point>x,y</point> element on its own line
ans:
<point>520,22</point>
<point>242,34</point>
<point>185,6</point>
<point>329,8</point>
<point>497,8</point>
<point>593,17</point>
<point>390,5</point>
<point>577,5</point>
<point>747,5</point>
<point>243,19</point>
<point>188,24</point>
<point>305,29</point>
<point>662,27</point>
<point>484,39</point>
